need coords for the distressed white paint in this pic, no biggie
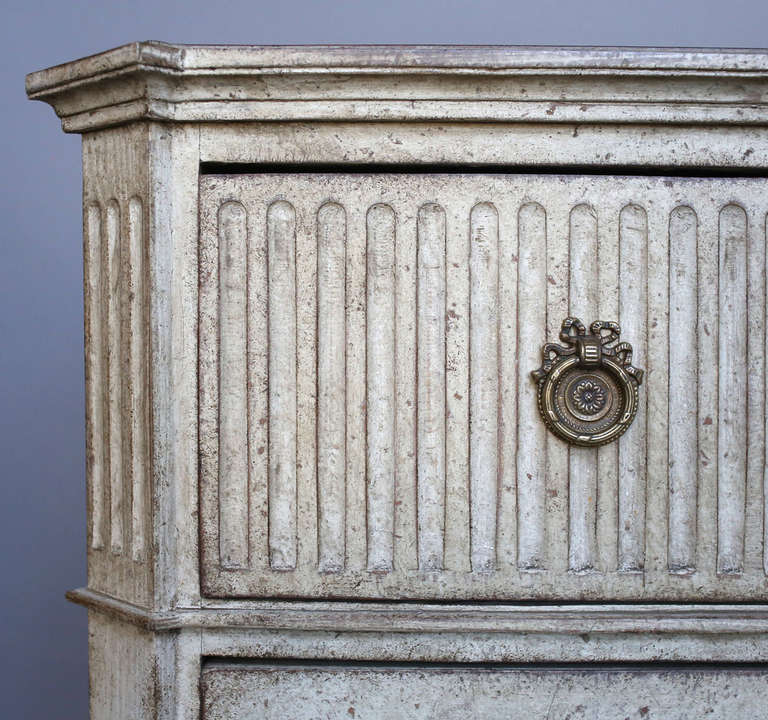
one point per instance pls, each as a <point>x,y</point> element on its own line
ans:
<point>137,308</point>
<point>331,382</point>
<point>732,396</point>
<point>608,456</point>
<point>531,434</point>
<point>261,690</point>
<point>233,396</point>
<point>582,467</point>
<point>433,489</point>
<point>683,405</point>
<point>484,383</point>
<point>296,533</point>
<point>281,254</point>
<point>94,372</point>
<point>633,317</point>
<point>430,413</point>
<point>380,371</point>
<point>647,537</point>
<point>458,483</point>
<point>112,307</point>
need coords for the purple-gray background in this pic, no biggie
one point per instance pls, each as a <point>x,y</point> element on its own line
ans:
<point>43,639</point>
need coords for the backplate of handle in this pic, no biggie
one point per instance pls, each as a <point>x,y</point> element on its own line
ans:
<point>588,388</point>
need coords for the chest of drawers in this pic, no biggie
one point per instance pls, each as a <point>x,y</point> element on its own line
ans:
<point>322,481</point>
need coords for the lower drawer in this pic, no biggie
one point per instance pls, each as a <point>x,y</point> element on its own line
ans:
<point>246,691</point>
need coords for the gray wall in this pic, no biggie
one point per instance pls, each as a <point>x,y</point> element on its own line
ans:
<point>42,512</point>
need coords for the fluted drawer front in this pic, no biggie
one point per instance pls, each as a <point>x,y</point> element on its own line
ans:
<point>368,422</point>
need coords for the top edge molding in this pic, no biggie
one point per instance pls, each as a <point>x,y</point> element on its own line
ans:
<point>201,83</point>
<point>400,57</point>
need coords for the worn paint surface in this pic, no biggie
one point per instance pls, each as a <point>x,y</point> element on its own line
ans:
<point>386,693</point>
<point>376,466</point>
<point>682,528</point>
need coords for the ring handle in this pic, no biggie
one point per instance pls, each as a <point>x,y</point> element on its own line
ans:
<point>588,389</point>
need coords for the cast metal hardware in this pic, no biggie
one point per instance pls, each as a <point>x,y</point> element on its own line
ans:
<point>588,388</point>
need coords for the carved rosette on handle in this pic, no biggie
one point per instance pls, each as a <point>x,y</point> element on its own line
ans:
<point>588,388</point>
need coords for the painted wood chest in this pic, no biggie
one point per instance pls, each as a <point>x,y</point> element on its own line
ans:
<point>423,381</point>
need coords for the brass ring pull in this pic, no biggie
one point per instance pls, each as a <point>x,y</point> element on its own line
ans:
<point>588,388</point>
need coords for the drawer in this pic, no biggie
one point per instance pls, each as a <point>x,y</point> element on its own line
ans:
<point>368,423</point>
<point>249,691</point>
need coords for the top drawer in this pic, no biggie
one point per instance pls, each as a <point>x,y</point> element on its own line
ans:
<point>368,422</point>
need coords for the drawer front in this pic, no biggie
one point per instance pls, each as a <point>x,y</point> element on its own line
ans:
<point>368,423</point>
<point>247,692</point>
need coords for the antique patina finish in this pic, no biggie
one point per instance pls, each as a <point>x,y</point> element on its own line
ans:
<point>317,280</point>
<point>588,389</point>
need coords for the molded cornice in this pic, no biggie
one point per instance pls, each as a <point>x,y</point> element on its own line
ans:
<point>177,83</point>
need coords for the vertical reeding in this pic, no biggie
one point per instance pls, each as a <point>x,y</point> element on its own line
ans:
<point>257,282</point>
<point>430,450</point>
<point>356,441</point>
<point>96,448</point>
<point>506,525</point>
<point>233,381</point>
<point>608,455</point>
<point>582,465</point>
<point>764,348</point>
<point>457,319</point>
<point>114,384</point>
<point>558,277</point>
<point>331,386</point>
<point>405,529</point>
<point>652,496</point>
<point>753,521</point>
<point>281,237</point>
<point>484,385</point>
<point>380,376</point>
<point>732,399</point>
<point>139,378</point>
<point>208,382</point>
<point>633,312</point>
<point>707,371</point>
<point>531,441</point>
<point>306,385</point>
<point>683,401</point>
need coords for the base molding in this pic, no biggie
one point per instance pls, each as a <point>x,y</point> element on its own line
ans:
<point>567,619</point>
